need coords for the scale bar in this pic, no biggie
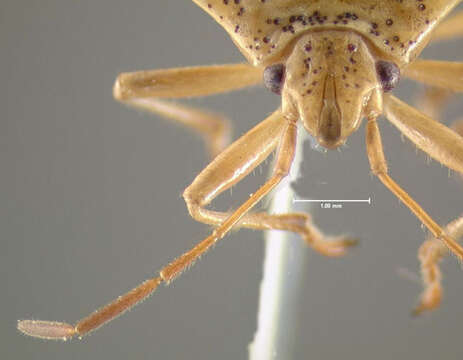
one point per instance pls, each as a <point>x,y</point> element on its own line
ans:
<point>334,201</point>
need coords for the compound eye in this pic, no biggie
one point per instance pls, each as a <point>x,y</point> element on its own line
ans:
<point>388,74</point>
<point>274,76</point>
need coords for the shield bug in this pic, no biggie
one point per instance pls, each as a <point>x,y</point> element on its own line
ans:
<point>334,65</point>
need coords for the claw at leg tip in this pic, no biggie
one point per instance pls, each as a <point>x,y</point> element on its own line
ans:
<point>426,306</point>
<point>421,309</point>
<point>50,330</point>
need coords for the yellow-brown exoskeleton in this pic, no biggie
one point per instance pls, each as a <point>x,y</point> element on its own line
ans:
<point>334,64</point>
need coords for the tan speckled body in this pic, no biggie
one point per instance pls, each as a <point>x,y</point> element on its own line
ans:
<point>271,31</point>
<point>263,29</point>
<point>333,62</point>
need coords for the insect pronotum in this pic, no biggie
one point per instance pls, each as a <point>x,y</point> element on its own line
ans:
<point>334,64</point>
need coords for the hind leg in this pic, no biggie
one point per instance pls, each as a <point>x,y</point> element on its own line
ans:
<point>430,254</point>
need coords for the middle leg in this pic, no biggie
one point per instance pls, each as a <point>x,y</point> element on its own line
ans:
<point>443,74</point>
<point>234,164</point>
<point>432,100</point>
<point>443,82</point>
<point>449,29</point>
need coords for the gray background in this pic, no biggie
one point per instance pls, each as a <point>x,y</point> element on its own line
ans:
<point>90,203</point>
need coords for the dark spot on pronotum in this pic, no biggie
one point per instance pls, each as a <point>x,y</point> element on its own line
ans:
<point>351,47</point>
<point>388,74</point>
<point>274,78</point>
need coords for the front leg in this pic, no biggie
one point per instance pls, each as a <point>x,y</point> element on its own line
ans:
<point>432,137</point>
<point>146,90</point>
<point>275,131</point>
<point>379,167</point>
<point>230,167</point>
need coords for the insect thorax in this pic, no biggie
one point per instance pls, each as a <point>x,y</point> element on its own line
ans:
<point>262,30</point>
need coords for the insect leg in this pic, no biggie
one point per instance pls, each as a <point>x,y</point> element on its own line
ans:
<point>283,135</point>
<point>430,254</point>
<point>145,89</point>
<point>278,132</point>
<point>230,167</point>
<point>379,168</point>
<point>443,74</point>
<point>432,100</point>
<point>432,137</point>
<point>449,29</point>
<point>443,79</point>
